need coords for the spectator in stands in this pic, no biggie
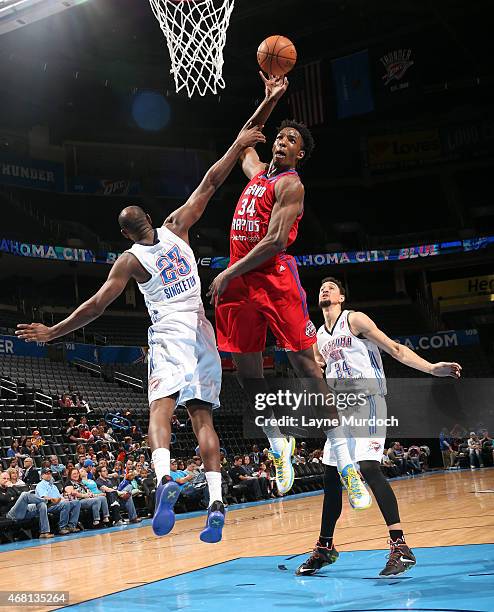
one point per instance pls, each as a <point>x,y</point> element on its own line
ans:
<point>388,467</point>
<point>255,455</point>
<point>104,435</point>
<point>239,475</point>
<point>118,468</point>
<point>14,464</point>
<point>184,480</point>
<point>81,459</point>
<point>37,439</point>
<point>396,455</point>
<point>67,509</point>
<point>83,403</point>
<point>55,466</point>
<point>142,461</point>
<point>191,467</point>
<point>91,454</point>
<point>88,479</point>
<point>31,474</point>
<point>446,449</point>
<point>198,461</point>
<point>116,499</point>
<point>181,464</point>
<point>72,433</point>
<point>263,474</point>
<point>425,453</point>
<point>75,489</point>
<point>85,431</point>
<point>486,444</point>
<point>302,450</point>
<point>136,433</point>
<point>90,468</point>
<point>127,444</point>
<point>316,456</point>
<point>412,457</point>
<point>65,401</point>
<point>18,506</point>
<point>131,478</point>
<point>148,484</point>
<point>474,449</point>
<point>80,449</point>
<point>249,468</point>
<point>176,424</point>
<point>29,449</point>
<point>15,480</point>
<point>104,453</point>
<point>14,450</point>
<point>225,464</point>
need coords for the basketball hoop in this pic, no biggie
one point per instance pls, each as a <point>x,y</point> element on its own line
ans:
<point>195,32</point>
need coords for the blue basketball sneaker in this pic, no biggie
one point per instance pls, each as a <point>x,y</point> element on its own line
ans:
<point>166,496</point>
<point>214,523</point>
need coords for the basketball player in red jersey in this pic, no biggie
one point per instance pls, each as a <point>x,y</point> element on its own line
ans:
<point>261,286</point>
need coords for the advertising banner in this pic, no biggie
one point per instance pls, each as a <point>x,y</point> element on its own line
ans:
<point>353,84</point>
<point>31,173</point>
<point>103,187</point>
<point>60,253</point>
<point>441,339</point>
<point>405,150</point>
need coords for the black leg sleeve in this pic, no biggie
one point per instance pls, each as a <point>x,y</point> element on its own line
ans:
<point>331,509</point>
<point>384,494</point>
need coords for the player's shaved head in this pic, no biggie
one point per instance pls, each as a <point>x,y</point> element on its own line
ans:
<point>134,222</point>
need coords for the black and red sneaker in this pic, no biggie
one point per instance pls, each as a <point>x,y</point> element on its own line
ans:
<point>400,559</point>
<point>320,557</point>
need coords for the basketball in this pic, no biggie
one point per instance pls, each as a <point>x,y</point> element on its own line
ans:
<point>276,55</point>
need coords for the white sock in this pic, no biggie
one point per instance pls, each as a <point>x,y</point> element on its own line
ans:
<point>214,486</point>
<point>161,460</point>
<point>276,439</point>
<point>339,446</point>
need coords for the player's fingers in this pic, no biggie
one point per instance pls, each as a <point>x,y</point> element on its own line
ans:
<point>263,77</point>
<point>23,325</point>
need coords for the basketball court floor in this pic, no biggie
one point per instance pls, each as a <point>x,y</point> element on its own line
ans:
<point>449,522</point>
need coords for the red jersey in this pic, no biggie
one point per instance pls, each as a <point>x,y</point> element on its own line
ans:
<point>253,213</point>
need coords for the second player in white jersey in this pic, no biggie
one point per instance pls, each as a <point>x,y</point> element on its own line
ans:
<point>348,356</point>
<point>182,346</point>
<point>348,347</point>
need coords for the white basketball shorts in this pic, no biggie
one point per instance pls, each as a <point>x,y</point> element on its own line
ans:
<point>365,441</point>
<point>183,359</point>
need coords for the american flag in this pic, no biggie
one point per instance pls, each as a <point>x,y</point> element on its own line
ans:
<point>306,102</point>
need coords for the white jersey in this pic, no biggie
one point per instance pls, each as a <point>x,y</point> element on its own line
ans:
<point>174,285</point>
<point>350,357</point>
<point>182,358</point>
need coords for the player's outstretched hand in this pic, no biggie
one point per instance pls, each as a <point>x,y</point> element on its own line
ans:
<point>33,332</point>
<point>446,368</point>
<point>275,85</point>
<point>218,287</point>
<point>249,137</point>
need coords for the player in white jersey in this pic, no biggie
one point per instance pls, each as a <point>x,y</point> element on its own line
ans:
<point>348,347</point>
<point>184,365</point>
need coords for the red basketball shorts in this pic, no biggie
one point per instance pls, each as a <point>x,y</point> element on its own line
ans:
<point>270,297</point>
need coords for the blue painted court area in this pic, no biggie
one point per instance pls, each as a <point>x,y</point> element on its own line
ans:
<point>446,579</point>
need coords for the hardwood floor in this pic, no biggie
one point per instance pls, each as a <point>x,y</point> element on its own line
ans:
<point>436,510</point>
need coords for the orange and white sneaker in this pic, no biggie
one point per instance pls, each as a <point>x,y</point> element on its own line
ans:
<point>358,496</point>
<point>285,474</point>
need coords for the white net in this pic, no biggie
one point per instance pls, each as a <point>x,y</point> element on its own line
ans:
<point>195,32</point>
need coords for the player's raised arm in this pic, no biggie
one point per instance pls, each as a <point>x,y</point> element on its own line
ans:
<point>122,271</point>
<point>275,87</point>
<point>180,220</point>
<point>289,203</point>
<point>360,323</point>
